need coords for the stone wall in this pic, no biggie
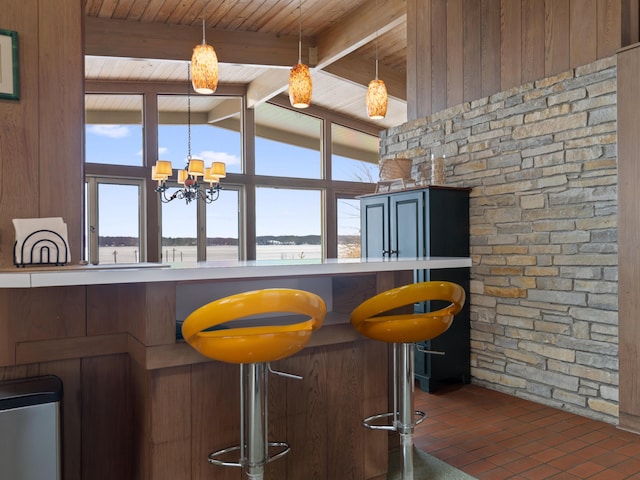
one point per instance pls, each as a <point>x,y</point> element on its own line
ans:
<point>541,160</point>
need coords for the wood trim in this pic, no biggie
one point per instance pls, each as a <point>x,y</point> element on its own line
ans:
<point>39,351</point>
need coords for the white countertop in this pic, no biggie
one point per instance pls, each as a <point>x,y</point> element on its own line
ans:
<point>220,270</point>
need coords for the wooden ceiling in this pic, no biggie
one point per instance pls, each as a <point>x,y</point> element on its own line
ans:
<point>257,42</point>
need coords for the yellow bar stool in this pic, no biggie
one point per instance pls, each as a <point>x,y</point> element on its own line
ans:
<point>253,347</point>
<point>372,319</point>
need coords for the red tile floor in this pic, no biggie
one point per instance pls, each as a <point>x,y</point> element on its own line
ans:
<point>491,435</point>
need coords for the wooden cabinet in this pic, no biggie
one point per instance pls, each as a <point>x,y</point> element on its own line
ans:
<point>433,222</point>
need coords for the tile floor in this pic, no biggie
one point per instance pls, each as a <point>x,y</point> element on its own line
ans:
<point>494,436</point>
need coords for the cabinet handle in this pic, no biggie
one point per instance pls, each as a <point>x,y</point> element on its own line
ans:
<point>393,252</point>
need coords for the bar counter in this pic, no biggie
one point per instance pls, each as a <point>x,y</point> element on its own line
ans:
<point>140,403</point>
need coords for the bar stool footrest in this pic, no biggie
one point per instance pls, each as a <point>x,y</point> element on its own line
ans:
<point>369,421</point>
<point>215,460</point>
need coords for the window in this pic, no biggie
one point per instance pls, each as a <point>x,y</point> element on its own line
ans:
<point>223,226</point>
<point>288,224</point>
<point>348,228</point>
<point>287,143</point>
<point>113,130</point>
<point>215,130</point>
<point>287,196</point>
<point>179,231</point>
<point>114,220</point>
<point>355,155</point>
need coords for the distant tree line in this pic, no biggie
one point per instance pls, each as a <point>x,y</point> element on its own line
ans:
<point>215,241</point>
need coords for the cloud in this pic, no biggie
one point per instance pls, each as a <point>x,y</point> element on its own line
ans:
<point>111,131</point>
<point>211,156</point>
<point>161,150</point>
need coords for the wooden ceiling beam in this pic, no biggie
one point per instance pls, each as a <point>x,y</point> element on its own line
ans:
<point>353,31</point>
<point>359,28</point>
<point>122,38</point>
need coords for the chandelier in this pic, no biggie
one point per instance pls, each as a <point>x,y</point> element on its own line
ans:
<point>300,84</point>
<point>376,98</point>
<point>189,177</point>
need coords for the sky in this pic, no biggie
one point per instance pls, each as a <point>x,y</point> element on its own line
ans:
<point>278,212</point>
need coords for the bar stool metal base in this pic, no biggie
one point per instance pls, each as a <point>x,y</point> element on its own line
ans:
<point>242,462</point>
<point>254,448</point>
<point>405,418</point>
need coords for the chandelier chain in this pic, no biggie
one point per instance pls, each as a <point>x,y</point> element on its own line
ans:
<point>188,115</point>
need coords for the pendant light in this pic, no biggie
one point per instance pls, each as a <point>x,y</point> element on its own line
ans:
<point>377,99</point>
<point>300,85</point>
<point>204,65</point>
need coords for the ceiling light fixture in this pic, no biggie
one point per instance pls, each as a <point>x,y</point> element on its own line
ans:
<point>300,85</point>
<point>377,99</point>
<point>188,177</point>
<point>204,65</point>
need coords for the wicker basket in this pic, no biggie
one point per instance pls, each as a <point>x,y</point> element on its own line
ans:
<point>394,168</point>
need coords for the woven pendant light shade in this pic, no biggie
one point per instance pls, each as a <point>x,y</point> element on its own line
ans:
<point>377,99</point>
<point>300,86</point>
<point>204,69</point>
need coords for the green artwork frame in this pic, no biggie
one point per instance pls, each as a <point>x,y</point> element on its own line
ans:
<point>9,65</point>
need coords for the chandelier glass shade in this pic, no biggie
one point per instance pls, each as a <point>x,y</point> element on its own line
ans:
<point>377,99</point>
<point>300,86</point>
<point>204,69</point>
<point>204,65</point>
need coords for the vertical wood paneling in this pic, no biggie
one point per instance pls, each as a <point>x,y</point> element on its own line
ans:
<point>307,415</point>
<point>630,28</point>
<point>61,116</point>
<point>340,398</point>
<point>490,31</point>
<point>556,55</point>
<point>7,339</point>
<point>106,418</point>
<point>69,371</point>
<point>609,27</point>
<point>533,38</point>
<point>19,147</point>
<point>455,71</point>
<point>215,419</point>
<point>438,55</point>
<point>169,438</point>
<point>511,49</point>
<point>413,60</point>
<point>424,40</point>
<point>628,234</point>
<point>472,51</point>
<point>583,28</point>
<point>376,400</point>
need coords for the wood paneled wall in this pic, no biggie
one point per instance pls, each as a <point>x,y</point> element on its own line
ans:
<point>628,236</point>
<point>463,50</point>
<point>41,135</point>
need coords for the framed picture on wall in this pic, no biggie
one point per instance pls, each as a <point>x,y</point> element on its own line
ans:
<point>9,68</point>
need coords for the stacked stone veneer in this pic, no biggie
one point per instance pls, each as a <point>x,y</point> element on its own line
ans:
<point>541,162</point>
